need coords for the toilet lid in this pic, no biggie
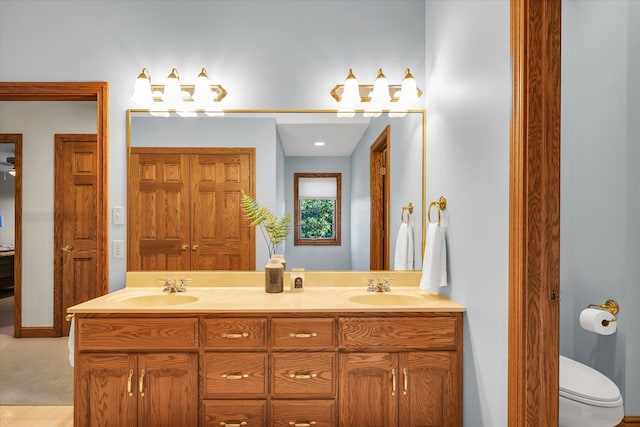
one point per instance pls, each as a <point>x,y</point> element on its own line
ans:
<point>584,384</point>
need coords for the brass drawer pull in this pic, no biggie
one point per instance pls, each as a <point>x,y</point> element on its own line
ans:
<point>311,335</point>
<point>244,423</point>
<point>302,376</point>
<point>141,383</point>
<point>235,376</point>
<point>406,381</point>
<point>232,336</point>
<point>295,424</point>
<point>129,383</point>
<point>393,382</point>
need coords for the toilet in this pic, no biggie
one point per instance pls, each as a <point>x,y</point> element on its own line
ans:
<point>587,397</point>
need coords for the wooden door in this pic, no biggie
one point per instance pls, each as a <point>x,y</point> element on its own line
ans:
<point>75,230</point>
<point>220,236</point>
<point>368,395</point>
<point>105,392</point>
<point>159,211</point>
<point>167,389</point>
<point>428,394</point>
<point>379,191</point>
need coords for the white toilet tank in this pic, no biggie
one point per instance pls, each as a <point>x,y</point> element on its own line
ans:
<point>587,397</point>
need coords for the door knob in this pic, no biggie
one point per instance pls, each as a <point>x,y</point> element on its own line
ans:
<point>194,248</point>
<point>67,248</point>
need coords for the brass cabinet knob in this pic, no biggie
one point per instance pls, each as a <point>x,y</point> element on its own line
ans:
<point>185,247</point>
<point>194,248</point>
<point>67,248</point>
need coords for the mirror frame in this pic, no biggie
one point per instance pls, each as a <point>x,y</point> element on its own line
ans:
<point>422,112</point>
<point>66,91</point>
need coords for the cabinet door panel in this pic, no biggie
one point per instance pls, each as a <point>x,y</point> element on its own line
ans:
<point>368,393</point>
<point>168,389</point>
<point>428,392</point>
<point>101,392</point>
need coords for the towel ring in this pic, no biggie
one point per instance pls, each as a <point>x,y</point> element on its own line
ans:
<point>409,210</point>
<point>441,204</point>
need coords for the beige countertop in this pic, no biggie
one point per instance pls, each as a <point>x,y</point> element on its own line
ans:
<point>229,293</point>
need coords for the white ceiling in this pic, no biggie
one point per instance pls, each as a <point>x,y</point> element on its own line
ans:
<point>299,130</point>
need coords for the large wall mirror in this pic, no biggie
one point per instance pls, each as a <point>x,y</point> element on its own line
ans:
<point>284,143</point>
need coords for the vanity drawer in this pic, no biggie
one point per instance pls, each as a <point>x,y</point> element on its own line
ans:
<point>301,334</point>
<point>217,413</point>
<point>398,333</point>
<point>137,334</point>
<point>308,374</point>
<point>235,333</point>
<point>235,374</point>
<point>315,413</point>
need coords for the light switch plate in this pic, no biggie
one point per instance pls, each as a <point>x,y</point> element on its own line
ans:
<point>118,248</point>
<point>118,215</point>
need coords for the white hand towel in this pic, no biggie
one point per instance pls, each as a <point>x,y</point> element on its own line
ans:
<point>70,343</point>
<point>403,259</point>
<point>434,266</point>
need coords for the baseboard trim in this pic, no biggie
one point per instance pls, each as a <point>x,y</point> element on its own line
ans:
<point>38,332</point>
<point>630,421</point>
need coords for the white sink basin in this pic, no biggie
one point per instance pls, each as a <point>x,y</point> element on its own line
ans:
<point>159,300</point>
<point>382,298</point>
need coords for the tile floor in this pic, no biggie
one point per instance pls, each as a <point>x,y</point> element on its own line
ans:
<point>36,416</point>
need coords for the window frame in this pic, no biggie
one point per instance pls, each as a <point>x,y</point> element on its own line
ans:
<point>336,240</point>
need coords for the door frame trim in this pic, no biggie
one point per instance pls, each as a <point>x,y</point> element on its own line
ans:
<point>71,91</point>
<point>534,214</point>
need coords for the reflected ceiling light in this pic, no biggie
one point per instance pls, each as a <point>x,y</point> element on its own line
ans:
<point>376,98</point>
<point>319,143</point>
<point>173,96</point>
<point>11,172</point>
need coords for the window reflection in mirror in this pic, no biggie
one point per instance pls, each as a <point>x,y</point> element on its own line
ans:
<point>317,208</point>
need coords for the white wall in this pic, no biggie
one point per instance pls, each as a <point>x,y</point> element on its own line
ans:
<point>599,237</point>
<point>38,122</point>
<point>468,95</point>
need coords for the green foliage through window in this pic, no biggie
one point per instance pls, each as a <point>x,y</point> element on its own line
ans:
<point>317,218</point>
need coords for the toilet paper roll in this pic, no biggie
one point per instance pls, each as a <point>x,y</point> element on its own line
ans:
<point>598,321</point>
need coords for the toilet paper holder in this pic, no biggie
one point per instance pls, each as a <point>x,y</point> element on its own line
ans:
<point>611,306</point>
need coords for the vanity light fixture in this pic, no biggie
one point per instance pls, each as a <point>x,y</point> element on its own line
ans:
<point>173,96</point>
<point>374,99</point>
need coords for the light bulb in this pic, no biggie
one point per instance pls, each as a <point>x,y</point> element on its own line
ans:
<point>142,97</point>
<point>350,96</point>
<point>172,96</point>
<point>379,96</point>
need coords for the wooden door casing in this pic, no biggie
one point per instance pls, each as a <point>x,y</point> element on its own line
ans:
<point>75,224</point>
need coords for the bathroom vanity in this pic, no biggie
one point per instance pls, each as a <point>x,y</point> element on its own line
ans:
<point>232,355</point>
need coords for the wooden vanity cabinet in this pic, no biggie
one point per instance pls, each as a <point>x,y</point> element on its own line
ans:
<point>145,383</point>
<point>269,370</point>
<point>400,371</point>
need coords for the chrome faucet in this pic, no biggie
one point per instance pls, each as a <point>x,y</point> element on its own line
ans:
<point>173,286</point>
<point>383,286</point>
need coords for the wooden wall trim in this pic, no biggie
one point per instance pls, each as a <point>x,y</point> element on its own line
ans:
<point>630,421</point>
<point>73,91</point>
<point>534,217</point>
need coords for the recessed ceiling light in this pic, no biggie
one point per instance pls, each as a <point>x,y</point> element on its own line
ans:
<point>318,143</point>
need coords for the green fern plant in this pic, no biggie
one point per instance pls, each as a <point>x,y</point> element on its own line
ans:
<point>274,230</point>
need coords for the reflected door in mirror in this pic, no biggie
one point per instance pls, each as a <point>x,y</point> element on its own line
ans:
<point>184,209</point>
